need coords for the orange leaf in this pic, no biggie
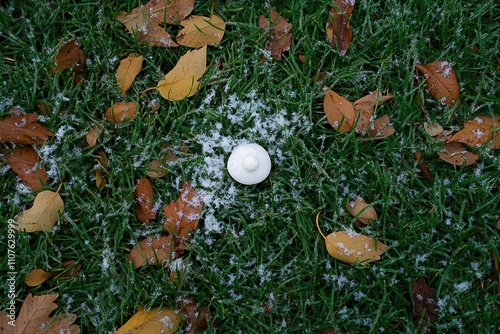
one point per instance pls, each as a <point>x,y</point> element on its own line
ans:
<point>182,216</point>
<point>158,250</point>
<point>127,71</point>
<point>339,111</point>
<point>380,127</point>
<point>279,34</point>
<point>24,162</point>
<point>337,29</point>
<point>365,108</point>
<point>23,129</point>
<point>478,131</point>
<point>144,201</point>
<point>37,277</point>
<point>121,112</point>
<point>441,81</point>
<point>456,154</point>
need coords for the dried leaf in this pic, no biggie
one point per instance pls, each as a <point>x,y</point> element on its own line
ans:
<point>155,169</point>
<point>433,129</point>
<point>339,112</point>
<point>158,250</point>
<point>441,81</point>
<point>381,128</point>
<point>363,212</point>
<point>199,31</point>
<point>23,129</point>
<point>121,112</point>
<point>25,163</point>
<point>182,81</point>
<point>144,201</point>
<point>37,277</point>
<point>35,314</point>
<point>178,10</point>
<point>423,168</point>
<point>153,34</point>
<point>425,304</point>
<point>478,131</point>
<point>44,213</point>
<point>457,154</point>
<point>93,135</point>
<point>351,247</point>
<point>127,71</point>
<point>182,216</point>
<point>365,108</point>
<point>163,320</point>
<point>337,29</point>
<point>70,56</point>
<point>280,36</point>
<point>197,321</point>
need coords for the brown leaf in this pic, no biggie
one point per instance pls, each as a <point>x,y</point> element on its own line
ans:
<point>153,34</point>
<point>339,112</point>
<point>365,108</point>
<point>154,321</point>
<point>178,10</point>
<point>182,216</point>
<point>478,131</point>
<point>381,128</point>
<point>93,135</point>
<point>23,129</point>
<point>121,112</point>
<point>425,304</point>
<point>183,80</point>
<point>433,129</point>
<point>423,167</point>
<point>197,321</point>
<point>25,163</point>
<point>127,71</point>
<point>68,269</point>
<point>280,36</point>
<point>44,213</point>
<point>337,29</point>
<point>199,31</point>
<point>70,56</point>
<point>159,250</point>
<point>456,154</point>
<point>35,314</point>
<point>441,81</point>
<point>363,212</point>
<point>37,277</point>
<point>155,169</point>
<point>144,201</point>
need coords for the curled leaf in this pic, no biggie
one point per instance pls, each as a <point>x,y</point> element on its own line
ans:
<point>93,135</point>
<point>381,128</point>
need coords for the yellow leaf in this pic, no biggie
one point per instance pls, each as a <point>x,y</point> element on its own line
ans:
<point>37,277</point>
<point>164,320</point>
<point>199,31</point>
<point>127,71</point>
<point>365,213</point>
<point>351,247</point>
<point>44,213</point>
<point>182,80</point>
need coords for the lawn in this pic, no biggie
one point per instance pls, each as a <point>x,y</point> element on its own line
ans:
<point>257,260</point>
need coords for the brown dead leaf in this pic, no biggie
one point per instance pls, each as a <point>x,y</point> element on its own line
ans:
<point>93,135</point>
<point>164,320</point>
<point>37,277</point>
<point>35,314</point>
<point>280,36</point>
<point>362,211</point>
<point>197,321</point>
<point>456,154</point>
<point>183,80</point>
<point>44,213</point>
<point>154,35</point>
<point>25,163</point>
<point>155,169</point>
<point>339,112</point>
<point>159,250</point>
<point>144,201</point>
<point>433,129</point>
<point>127,71</point>
<point>423,167</point>
<point>364,109</point>
<point>71,57</point>
<point>441,81</point>
<point>478,131</point>
<point>381,128</point>
<point>199,31</point>
<point>337,29</point>
<point>23,129</point>
<point>121,112</point>
<point>182,216</point>
<point>425,305</point>
<point>350,247</point>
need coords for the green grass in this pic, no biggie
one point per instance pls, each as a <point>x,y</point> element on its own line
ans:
<point>257,246</point>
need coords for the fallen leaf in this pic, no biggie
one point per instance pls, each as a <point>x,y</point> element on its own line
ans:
<point>45,109</point>
<point>158,250</point>
<point>100,179</point>
<point>155,321</point>
<point>362,211</point>
<point>144,201</point>
<point>433,129</point>
<point>339,112</point>
<point>381,128</point>
<point>25,163</point>
<point>350,247</point>
<point>197,321</point>
<point>155,169</point>
<point>44,213</point>
<point>121,112</point>
<point>127,71</point>
<point>425,305</point>
<point>199,31</point>
<point>364,109</point>
<point>181,217</point>
<point>93,135</point>
<point>280,36</point>
<point>337,29</point>
<point>177,10</point>
<point>71,57</point>
<point>35,314</point>
<point>154,35</point>
<point>183,80</point>
<point>456,154</point>
<point>441,81</point>
<point>37,277</point>
<point>23,129</point>
<point>478,131</point>
<point>423,168</point>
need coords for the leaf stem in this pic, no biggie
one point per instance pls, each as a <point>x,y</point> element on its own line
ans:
<point>59,188</point>
<point>317,224</point>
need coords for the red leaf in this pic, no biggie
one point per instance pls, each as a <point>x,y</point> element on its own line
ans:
<point>425,304</point>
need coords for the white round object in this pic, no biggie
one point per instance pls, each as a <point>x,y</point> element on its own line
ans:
<point>249,164</point>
